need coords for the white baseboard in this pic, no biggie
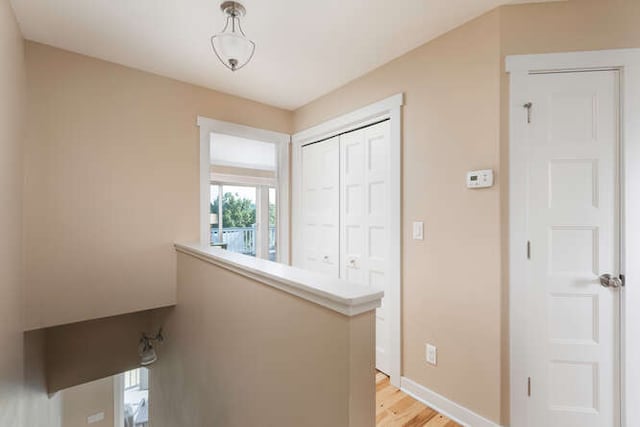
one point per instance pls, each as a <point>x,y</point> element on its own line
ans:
<point>454,411</point>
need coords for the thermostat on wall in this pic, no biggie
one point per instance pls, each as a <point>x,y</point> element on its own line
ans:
<point>480,179</point>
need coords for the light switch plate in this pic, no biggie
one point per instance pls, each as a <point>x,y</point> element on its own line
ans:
<point>432,354</point>
<point>418,230</point>
<point>95,418</point>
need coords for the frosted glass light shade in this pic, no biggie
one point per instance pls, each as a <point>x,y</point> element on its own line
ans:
<point>148,356</point>
<point>233,49</point>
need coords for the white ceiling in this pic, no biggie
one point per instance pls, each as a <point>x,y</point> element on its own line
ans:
<point>305,48</point>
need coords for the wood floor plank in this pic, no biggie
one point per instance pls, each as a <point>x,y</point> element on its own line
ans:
<point>440,421</point>
<point>421,418</point>
<point>397,409</point>
<point>388,397</point>
<point>381,385</point>
<point>404,418</point>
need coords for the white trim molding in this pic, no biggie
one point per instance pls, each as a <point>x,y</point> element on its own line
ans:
<point>389,108</point>
<point>242,131</point>
<point>283,141</point>
<point>338,295</point>
<point>118,400</point>
<point>446,407</point>
<point>627,61</point>
<point>573,61</point>
<point>227,178</point>
<point>355,119</point>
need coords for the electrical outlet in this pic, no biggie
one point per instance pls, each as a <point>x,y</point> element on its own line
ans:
<point>432,354</point>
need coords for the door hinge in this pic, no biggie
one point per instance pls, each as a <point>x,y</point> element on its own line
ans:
<point>529,386</point>
<point>528,249</point>
<point>528,106</point>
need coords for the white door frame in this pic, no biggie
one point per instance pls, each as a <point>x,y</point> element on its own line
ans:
<point>627,61</point>
<point>389,108</point>
<point>282,140</point>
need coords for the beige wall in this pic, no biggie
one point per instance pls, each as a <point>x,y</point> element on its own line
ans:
<point>240,353</point>
<point>23,399</point>
<point>85,400</point>
<point>570,26</point>
<point>100,134</point>
<point>12,90</point>
<point>111,181</point>
<point>456,119</point>
<point>41,409</point>
<point>86,351</point>
<point>451,293</point>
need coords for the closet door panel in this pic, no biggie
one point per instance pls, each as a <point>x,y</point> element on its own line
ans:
<point>353,200</point>
<point>320,206</point>
<point>365,218</point>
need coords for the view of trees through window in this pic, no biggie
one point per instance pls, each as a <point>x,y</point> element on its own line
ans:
<point>240,212</point>
<point>236,211</point>
<point>235,224</point>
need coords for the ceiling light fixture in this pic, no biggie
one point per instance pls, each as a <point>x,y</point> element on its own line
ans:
<point>231,46</point>
<point>145,348</point>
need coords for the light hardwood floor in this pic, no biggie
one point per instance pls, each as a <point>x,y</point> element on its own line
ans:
<point>396,409</point>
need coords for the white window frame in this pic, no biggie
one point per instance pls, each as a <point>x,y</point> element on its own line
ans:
<point>627,61</point>
<point>391,109</point>
<point>262,186</point>
<point>118,400</point>
<point>283,141</point>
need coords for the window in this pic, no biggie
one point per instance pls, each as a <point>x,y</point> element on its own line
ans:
<point>134,398</point>
<point>233,214</point>
<point>132,379</point>
<point>242,196</point>
<point>244,179</point>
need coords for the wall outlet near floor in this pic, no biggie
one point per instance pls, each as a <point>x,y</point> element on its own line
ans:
<point>432,354</point>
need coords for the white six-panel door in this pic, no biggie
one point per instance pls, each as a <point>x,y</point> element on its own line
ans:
<point>365,219</point>
<point>572,329</point>
<point>320,207</point>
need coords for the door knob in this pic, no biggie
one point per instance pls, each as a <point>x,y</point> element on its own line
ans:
<point>611,281</point>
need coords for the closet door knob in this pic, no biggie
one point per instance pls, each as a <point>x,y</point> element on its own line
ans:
<point>611,281</point>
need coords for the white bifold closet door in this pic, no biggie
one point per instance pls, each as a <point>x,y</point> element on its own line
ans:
<point>365,219</point>
<point>346,211</point>
<point>320,207</point>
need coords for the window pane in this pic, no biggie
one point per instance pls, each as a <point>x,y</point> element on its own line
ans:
<point>239,219</point>
<point>136,398</point>
<point>273,250</point>
<point>227,150</point>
